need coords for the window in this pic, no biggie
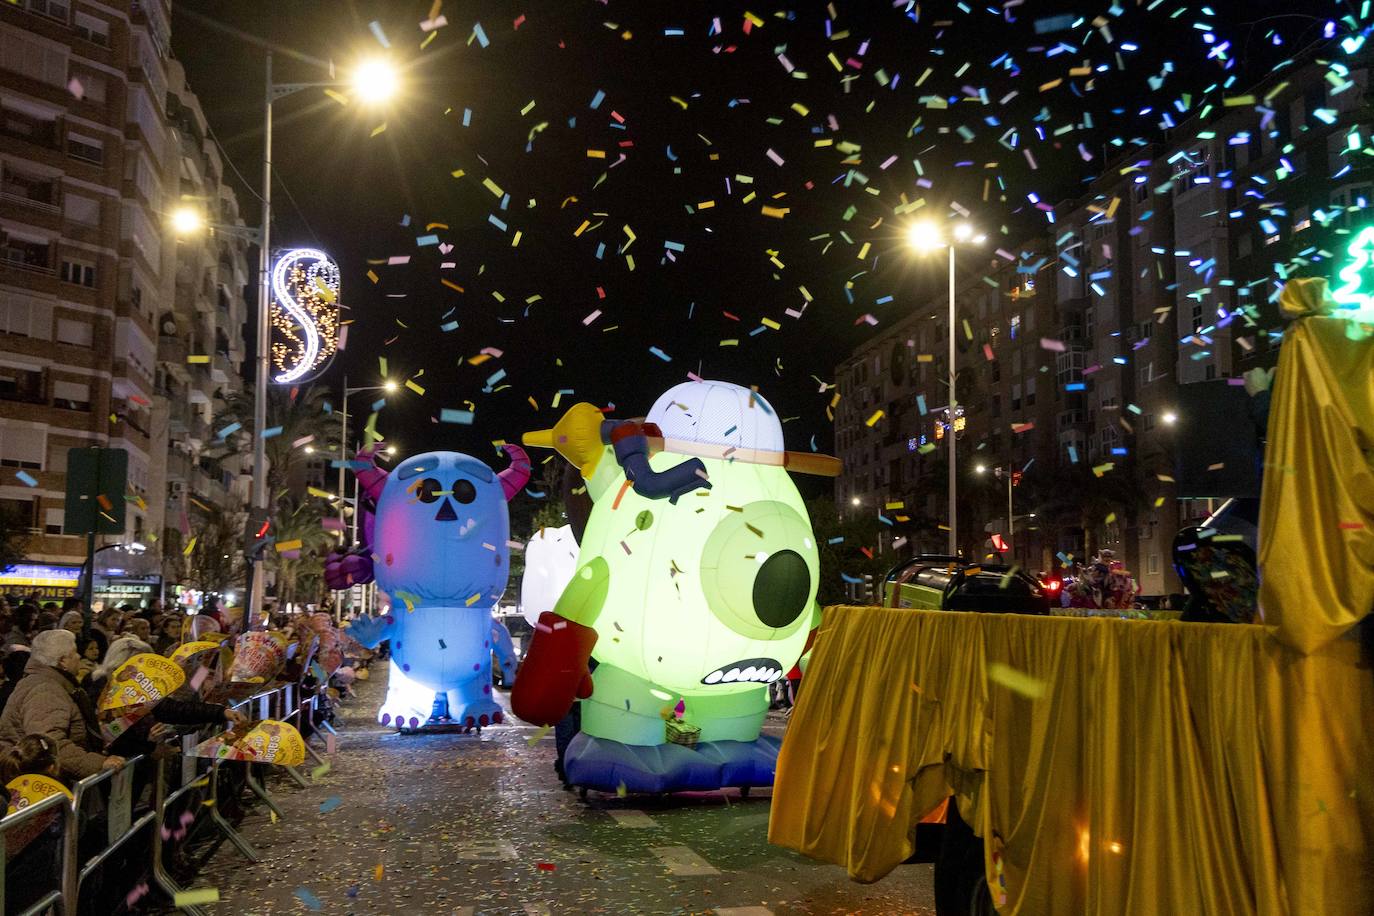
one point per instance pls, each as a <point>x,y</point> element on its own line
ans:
<point>71,395</point>
<point>31,188</point>
<point>77,272</point>
<point>1030,392</point>
<point>71,331</point>
<point>1197,315</point>
<point>54,9</point>
<point>31,56</point>
<point>25,316</point>
<point>87,149</point>
<point>18,513</point>
<point>1089,321</point>
<point>1016,396</point>
<point>96,31</point>
<point>1153,564</point>
<point>52,520</point>
<point>27,253</point>
<point>39,129</point>
<point>83,210</point>
<point>22,385</point>
<point>1015,330</point>
<point>93,87</point>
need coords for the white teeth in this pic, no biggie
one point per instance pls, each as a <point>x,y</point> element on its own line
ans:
<point>713,677</point>
<point>749,674</point>
<point>774,676</point>
<point>731,676</point>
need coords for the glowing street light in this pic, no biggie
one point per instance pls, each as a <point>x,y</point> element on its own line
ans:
<point>187,220</point>
<point>375,81</point>
<point>390,385</point>
<point>924,237</point>
<point>1169,418</point>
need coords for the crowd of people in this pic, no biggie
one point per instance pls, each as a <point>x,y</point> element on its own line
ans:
<point>54,671</point>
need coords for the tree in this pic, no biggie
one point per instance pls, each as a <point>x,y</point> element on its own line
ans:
<point>300,578</point>
<point>855,552</point>
<point>299,414</point>
<point>211,558</point>
<point>14,538</point>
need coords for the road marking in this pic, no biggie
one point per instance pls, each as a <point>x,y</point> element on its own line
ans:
<point>631,818</point>
<point>742,911</point>
<point>680,860</point>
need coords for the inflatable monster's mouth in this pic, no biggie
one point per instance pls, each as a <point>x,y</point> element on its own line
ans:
<point>746,671</point>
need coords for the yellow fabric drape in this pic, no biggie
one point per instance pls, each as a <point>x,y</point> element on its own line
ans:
<point>1317,507</point>
<point>1164,768</point>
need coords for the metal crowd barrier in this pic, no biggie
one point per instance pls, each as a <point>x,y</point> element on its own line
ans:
<point>24,818</point>
<point>289,702</point>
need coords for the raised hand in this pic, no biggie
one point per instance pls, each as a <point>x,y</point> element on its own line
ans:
<point>344,570</point>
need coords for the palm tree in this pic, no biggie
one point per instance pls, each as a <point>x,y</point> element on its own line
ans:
<point>299,578</point>
<point>299,413</point>
<point>214,561</point>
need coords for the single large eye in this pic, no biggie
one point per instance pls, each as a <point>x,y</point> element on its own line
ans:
<point>428,491</point>
<point>464,491</point>
<point>759,569</point>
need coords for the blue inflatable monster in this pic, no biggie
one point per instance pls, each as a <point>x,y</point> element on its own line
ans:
<point>436,543</point>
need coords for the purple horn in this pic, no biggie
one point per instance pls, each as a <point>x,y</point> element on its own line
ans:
<point>371,479</point>
<point>514,478</point>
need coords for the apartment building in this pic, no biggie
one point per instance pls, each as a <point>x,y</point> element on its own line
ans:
<point>1164,273</point>
<point>94,141</point>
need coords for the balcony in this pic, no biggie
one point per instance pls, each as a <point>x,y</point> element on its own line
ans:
<point>221,369</point>
<point>173,351</point>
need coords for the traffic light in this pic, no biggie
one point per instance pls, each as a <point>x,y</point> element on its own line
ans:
<point>257,532</point>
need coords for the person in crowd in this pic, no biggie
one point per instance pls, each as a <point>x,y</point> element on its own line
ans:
<point>108,622</point>
<point>34,754</point>
<point>140,627</point>
<point>71,621</point>
<point>44,621</point>
<point>48,701</point>
<point>50,606</point>
<point>13,664</point>
<point>168,633</point>
<point>89,647</point>
<point>21,625</point>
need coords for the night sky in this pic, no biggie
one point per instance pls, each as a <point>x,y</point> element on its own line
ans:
<point>690,113</point>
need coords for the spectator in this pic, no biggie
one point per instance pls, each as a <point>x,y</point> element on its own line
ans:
<point>168,633</point>
<point>121,650</point>
<point>140,628</point>
<point>34,754</point>
<point>44,621</point>
<point>13,665</point>
<point>90,656</point>
<point>72,622</point>
<point>107,622</point>
<point>21,626</point>
<point>51,607</point>
<point>47,701</point>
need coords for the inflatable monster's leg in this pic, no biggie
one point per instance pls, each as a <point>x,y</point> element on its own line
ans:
<point>471,703</point>
<point>407,704</point>
<point>470,700</point>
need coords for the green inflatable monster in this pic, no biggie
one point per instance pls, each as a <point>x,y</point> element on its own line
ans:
<point>695,589</point>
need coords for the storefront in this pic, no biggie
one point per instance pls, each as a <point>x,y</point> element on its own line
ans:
<point>135,591</point>
<point>47,583</point>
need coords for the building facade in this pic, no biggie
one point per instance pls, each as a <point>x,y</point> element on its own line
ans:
<point>99,304</point>
<point>1073,347</point>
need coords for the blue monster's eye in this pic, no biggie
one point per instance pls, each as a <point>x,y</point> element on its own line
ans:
<point>428,490</point>
<point>464,491</point>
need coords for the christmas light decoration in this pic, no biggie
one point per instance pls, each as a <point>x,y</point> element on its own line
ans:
<point>305,313</point>
<point>1354,296</point>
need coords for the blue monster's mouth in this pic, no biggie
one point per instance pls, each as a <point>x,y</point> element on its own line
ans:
<point>746,671</point>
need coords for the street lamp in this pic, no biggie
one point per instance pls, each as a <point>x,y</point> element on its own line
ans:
<point>382,83</point>
<point>1013,478</point>
<point>1169,418</point>
<point>388,385</point>
<point>924,237</point>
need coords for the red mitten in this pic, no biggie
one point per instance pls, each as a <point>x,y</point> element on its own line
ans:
<point>554,672</point>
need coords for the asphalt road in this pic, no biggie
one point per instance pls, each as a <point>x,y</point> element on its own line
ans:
<point>468,824</point>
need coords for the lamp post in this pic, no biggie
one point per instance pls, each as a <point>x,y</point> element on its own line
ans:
<point>387,386</point>
<point>1012,477</point>
<point>374,81</point>
<point>925,237</point>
